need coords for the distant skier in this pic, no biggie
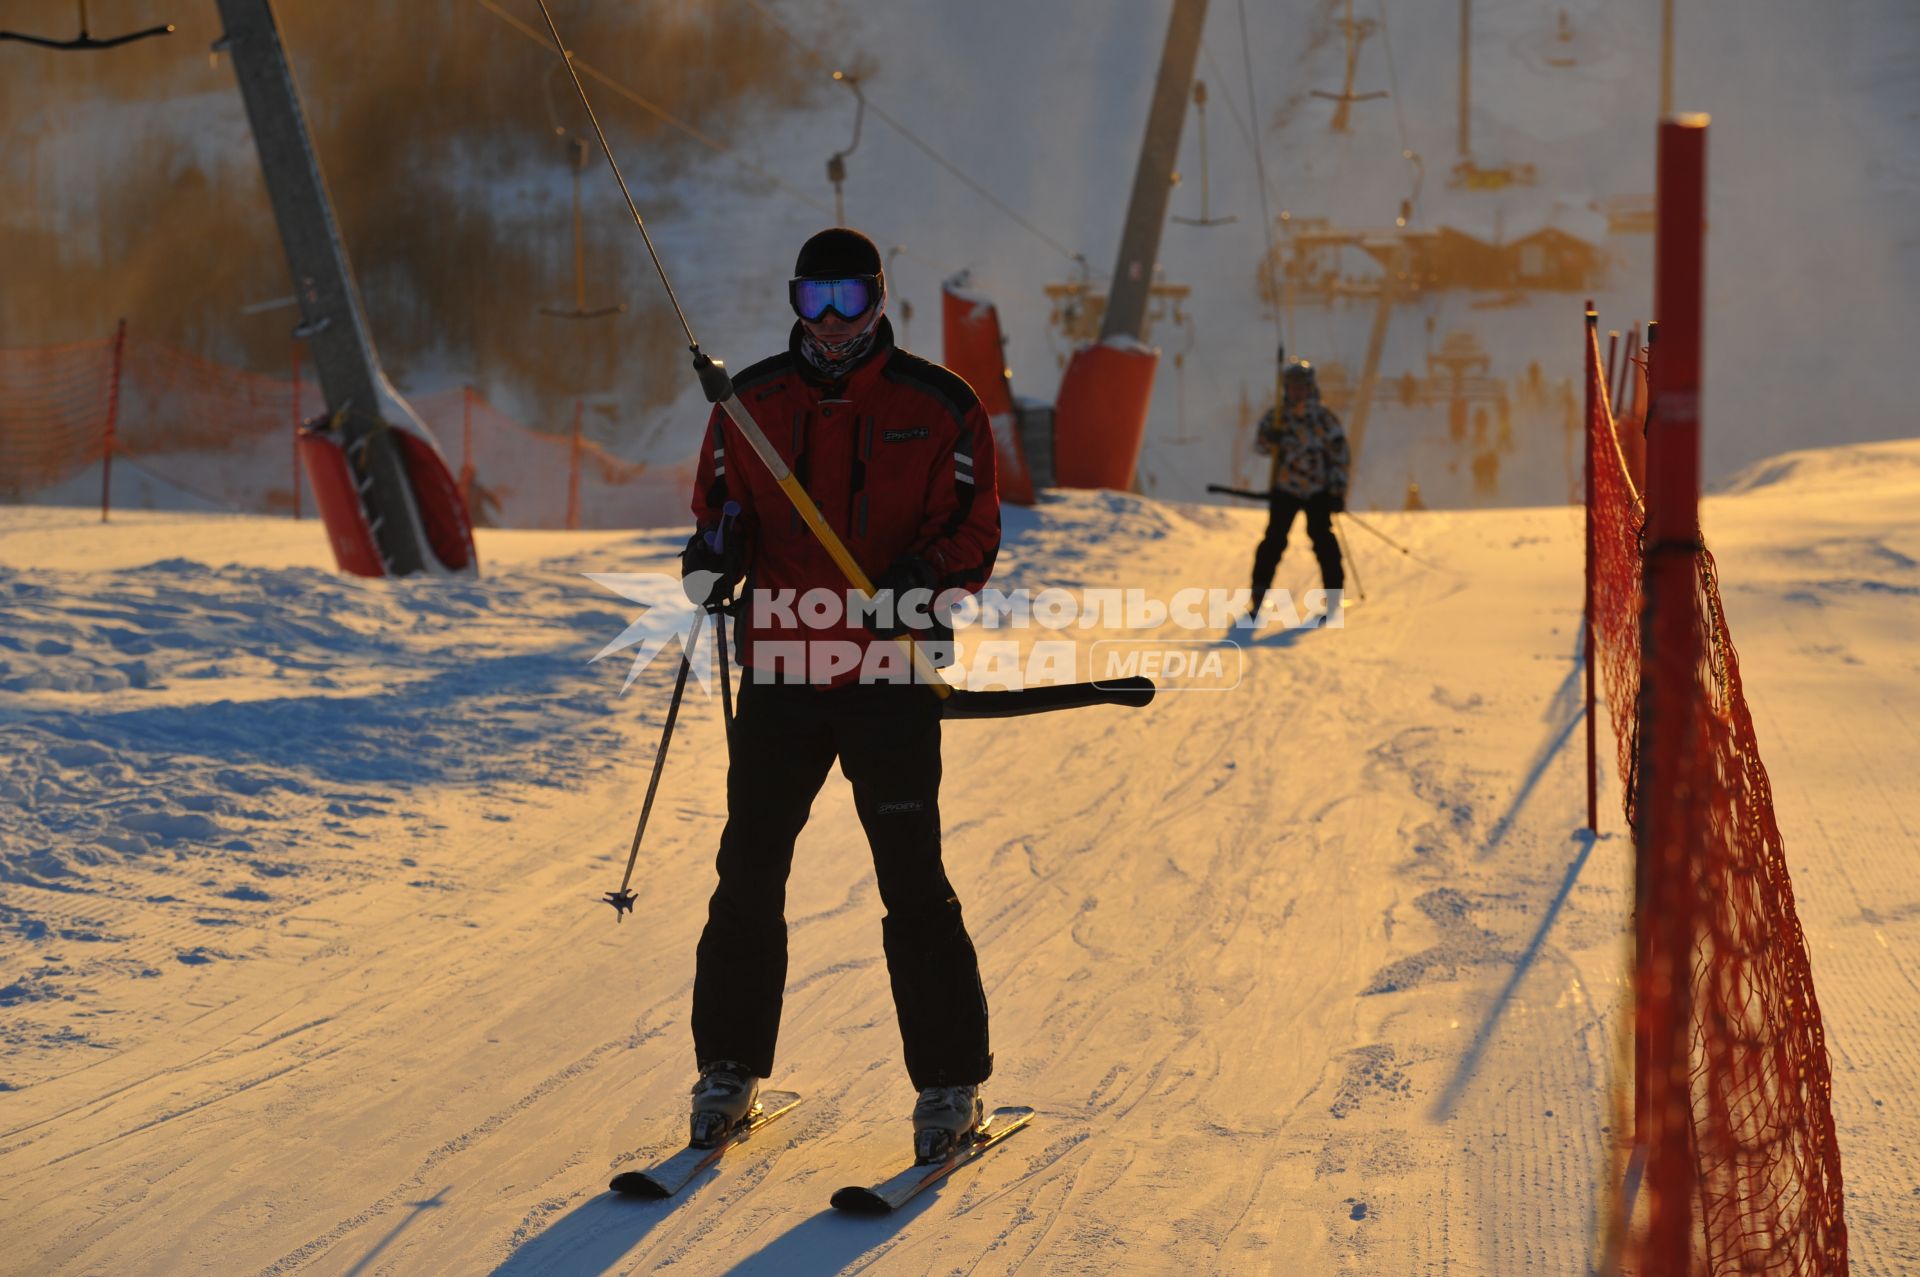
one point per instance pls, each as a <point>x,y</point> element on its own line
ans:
<point>897,453</point>
<point>1309,472</point>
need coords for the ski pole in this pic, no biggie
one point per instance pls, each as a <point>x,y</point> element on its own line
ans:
<point>622,900</point>
<point>717,540</point>
<point>1377,532</point>
<point>1364,525</point>
<point>1425,563</point>
<point>1347,553</point>
<point>726,683</point>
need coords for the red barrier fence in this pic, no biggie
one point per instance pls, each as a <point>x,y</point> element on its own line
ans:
<point>201,434</point>
<point>58,403</point>
<point>1732,1081</point>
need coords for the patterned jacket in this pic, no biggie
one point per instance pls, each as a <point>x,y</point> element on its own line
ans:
<point>1309,449</point>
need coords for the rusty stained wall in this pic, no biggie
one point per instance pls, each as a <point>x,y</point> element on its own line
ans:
<point>133,189</point>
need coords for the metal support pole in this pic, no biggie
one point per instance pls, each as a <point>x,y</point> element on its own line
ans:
<point>1153,180</point>
<point>113,418</point>
<point>1466,68</point>
<point>1666,58</point>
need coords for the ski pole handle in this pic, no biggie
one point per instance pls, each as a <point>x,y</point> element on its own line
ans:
<point>717,539</point>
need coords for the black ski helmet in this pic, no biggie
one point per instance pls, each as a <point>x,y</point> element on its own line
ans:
<point>1299,370</point>
<point>838,252</point>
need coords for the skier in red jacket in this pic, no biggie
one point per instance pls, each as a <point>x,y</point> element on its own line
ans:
<point>897,453</point>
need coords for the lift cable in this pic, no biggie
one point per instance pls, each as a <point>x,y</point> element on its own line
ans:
<point>1260,172</point>
<point>924,146</point>
<point>711,143</point>
<point>1407,152</point>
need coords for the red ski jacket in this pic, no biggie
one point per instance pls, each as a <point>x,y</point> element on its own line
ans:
<point>899,457</point>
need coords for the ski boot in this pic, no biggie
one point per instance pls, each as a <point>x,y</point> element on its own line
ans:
<point>723,1099</point>
<point>944,1120</point>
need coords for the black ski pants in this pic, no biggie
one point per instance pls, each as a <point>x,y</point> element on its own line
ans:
<point>1281,508</point>
<point>785,740</point>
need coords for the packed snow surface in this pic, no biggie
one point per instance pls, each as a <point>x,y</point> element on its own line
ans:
<point>305,968</point>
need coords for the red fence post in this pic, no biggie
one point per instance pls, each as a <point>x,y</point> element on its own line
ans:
<point>1646,410</point>
<point>1592,459</point>
<point>573,474</point>
<point>1670,812</point>
<point>1626,394</point>
<point>467,493</point>
<point>113,418</point>
<point>296,429</point>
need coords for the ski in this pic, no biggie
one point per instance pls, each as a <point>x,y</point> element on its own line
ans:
<point>674,1174</point>
<point>892,1194</point>
<point>1133,691</point>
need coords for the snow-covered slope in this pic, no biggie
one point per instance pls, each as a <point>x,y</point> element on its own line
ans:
<point>305,970</point>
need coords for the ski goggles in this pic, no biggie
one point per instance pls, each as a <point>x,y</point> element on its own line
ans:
<point>849,297</point>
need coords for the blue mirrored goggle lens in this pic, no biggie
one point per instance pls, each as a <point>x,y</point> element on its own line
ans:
<point>849,298</point>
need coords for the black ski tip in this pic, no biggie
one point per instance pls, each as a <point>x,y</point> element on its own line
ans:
<point>1135,691</point>
<point>636,1184</point>
<point>856,1200</point>
<point>962,703</point>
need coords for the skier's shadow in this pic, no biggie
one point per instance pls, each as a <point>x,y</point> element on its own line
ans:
<point>1285,637</point>
<point>829,1242</point>
<point>593,1237</point>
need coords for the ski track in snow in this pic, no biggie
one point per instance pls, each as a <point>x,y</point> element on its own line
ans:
<point>1312,977</point>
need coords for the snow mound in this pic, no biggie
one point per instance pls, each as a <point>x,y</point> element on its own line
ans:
<point>1867,465</point>
<point>193,712</point>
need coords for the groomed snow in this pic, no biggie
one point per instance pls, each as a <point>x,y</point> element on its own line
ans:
<point>305,969</point>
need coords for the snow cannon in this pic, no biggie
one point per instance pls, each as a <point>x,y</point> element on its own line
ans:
<point>390,506</point>
<point>1100,420</point>
<point>343,459</point>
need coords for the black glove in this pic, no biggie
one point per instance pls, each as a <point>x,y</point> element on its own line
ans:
<point>709,575</point>
<point>1337,502</point>
<point>904,595</point>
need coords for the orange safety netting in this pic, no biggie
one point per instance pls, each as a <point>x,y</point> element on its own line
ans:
<point>55,403</point>
<point>1768,1160</point>
<point>175,401</point>
<point>1617,515</point>
<point>514,476</point>
<point>200,432</point>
